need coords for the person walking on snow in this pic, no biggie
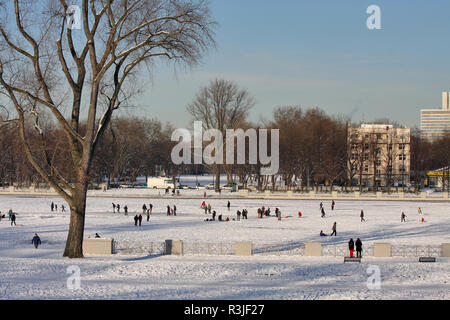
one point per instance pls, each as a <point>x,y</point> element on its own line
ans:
<point>136,218</point>
<point>334,230</point>
<point>13,219</point>
<point>118,208</point>
<point>144,209</point>
<point>126,210</point>
<point>52,206</point>
<point>419,210</point>
<point>323,212</point>
<point>362,216</point>
<point>238,215</point>
<point>403,217</point>
<point>168,210</point>
<point>174,210</point>
<point>351,247</point>
<point>228,205</point>
<point>140,220</point>
<point>36,241</point>
<point>332,205</point>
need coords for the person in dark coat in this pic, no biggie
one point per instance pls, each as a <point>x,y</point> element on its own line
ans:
<point>118,208</point>
<point>114,207</point>
<point>140,220</point>
<point>358,245</point>
<point>213,216</point>
<point>351,247</point>
<point>238,215</point>
<point>136,218</point>
<point>334,230</point>
<point>144,209</point>
<point>174,210</point>
<point>168,210</point>
<point>52,206</point>
<point>332,205</point>
<point>228,205</point>
<point>13,219</point>
<point>362,216</point>
<point>403,217</point>
<point>126,210</point>
<point>323,212</point>
<point>36,241</point>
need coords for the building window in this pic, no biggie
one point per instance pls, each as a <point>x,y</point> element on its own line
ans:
<point>401,146</point>
<point>402,157</point>
<point>366,168</point>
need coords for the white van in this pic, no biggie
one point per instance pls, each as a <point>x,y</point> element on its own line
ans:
<point>162,183</point>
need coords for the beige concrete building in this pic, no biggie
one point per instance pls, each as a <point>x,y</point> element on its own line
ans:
<point>434,122</point>
<point>379,154</point>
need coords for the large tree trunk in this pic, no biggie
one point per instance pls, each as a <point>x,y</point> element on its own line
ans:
<point>74,243</point>
<point>217,182</point>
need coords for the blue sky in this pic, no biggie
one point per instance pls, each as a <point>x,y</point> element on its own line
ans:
<point>318,54</point>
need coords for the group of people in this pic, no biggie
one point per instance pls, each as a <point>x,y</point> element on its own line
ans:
<point>172,211</point>
<point>355,245</point>
<point>117,207</point>
<point>54,207</point>
<point>11,217</point>
<point>263,212</point>
<point>334,233</point>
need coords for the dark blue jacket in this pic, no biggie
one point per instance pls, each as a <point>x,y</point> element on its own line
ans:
<point>36,240</point>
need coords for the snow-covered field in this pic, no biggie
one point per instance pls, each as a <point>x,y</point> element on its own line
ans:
<point>27,273</point>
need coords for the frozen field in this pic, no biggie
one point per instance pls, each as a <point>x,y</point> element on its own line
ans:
<point>26,273</point>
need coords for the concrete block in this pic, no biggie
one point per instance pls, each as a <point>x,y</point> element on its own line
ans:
<point>267,193</point>
<point>11,189</point>
<point>401,195</point>
<point>174,247</point>
<point>98,246</point>
<point>290,194</point>
<point>312,194</point>
<point>313,249</point>
<point>356,194</point>
<point>379,194</point>
<point>243,192</point>
<point>382,250</point>
<point>445,250</point>
<point>243,248</point>
<point>334,194</point>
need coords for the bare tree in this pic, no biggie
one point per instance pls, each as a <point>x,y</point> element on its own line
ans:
<point>85,74</point>
<point>222,105</point>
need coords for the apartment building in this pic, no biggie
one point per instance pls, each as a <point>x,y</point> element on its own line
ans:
<point>379,155</point>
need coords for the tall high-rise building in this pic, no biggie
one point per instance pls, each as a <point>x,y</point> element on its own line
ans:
<point>435,122</point>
